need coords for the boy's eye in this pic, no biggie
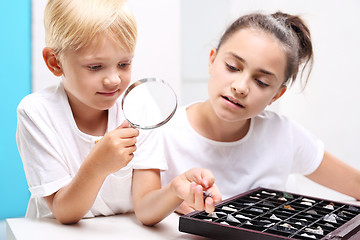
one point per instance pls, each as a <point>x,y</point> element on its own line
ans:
<point>124,65</point>
<point>261,83</point>
<point>231,68</point>
<point>94,67</point>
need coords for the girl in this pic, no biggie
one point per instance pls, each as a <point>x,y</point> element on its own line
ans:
<point>76,148</point>
<point>231,134</point>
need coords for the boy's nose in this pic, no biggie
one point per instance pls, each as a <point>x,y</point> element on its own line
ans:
<point>112,80</point>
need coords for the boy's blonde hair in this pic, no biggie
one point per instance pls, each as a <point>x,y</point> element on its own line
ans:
<point>73,24</point>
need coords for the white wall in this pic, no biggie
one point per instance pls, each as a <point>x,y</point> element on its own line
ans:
<point>202,22</point>
<point>41,76</point>
<point>158,49</point>
<point>176,36</point>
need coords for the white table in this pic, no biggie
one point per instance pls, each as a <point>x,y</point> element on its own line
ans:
<point>124,226</point>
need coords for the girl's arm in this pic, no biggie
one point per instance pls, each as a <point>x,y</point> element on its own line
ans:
<point>337,175</point>
<point>153,203</point>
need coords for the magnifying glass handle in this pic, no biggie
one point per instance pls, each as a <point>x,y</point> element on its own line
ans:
<point>131,125</point>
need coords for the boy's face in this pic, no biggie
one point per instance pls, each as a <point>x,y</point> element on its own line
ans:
<point>246,75</point>
<point>96,75</point>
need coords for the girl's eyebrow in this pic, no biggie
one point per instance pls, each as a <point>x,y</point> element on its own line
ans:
<point>260,70</point>
<point>237,57</point>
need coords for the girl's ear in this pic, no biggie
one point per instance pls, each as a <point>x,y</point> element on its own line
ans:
<point>280,92</point>
<point>52,62</point>
<point>212,58</point>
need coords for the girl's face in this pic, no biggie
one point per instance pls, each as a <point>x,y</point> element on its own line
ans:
<point>246,75</point>
<point>96,75</point>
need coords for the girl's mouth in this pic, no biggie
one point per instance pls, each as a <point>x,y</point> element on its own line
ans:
<point>234,102</point>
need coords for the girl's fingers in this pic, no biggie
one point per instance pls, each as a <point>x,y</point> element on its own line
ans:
<point>184,208</point>
<point>191,197</point>
<point>201,176</point>
<point>200,180</point>
<point>207,178</point>
<point>216,195</point>
<point>199,198</point>
<point>209,205</point>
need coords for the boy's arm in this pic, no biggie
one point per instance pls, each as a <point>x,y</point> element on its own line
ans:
<point>73,201</point>
<point>113,152</point>
<point>153,203</point>
<point>337,175</point>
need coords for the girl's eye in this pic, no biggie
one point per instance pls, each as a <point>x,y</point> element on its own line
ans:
<point>94,67</point>
<point>231,68</point>
<point>261,83</point>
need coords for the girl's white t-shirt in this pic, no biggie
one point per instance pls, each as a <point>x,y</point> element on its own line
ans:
<point>273,148</point>
<point>52,149</point>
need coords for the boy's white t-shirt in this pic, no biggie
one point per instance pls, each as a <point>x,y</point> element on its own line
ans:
<point>273,148</point>
<point>52,149</point>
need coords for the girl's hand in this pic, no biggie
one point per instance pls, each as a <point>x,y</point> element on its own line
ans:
<point>190,186</point>
<point>115,150</point>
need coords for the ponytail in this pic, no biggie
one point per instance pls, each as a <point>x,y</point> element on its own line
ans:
<point>305,50</point>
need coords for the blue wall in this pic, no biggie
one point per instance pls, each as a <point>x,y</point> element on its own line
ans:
<point>15,77</point>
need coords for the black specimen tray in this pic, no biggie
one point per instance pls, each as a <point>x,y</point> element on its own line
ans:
<point>266,214</point>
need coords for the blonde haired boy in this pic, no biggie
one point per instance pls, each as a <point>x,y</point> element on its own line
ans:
<point>76,147</point>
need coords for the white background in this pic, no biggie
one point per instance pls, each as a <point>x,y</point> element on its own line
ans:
<point>175,37</point>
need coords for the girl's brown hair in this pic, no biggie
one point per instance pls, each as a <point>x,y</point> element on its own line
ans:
<point>290,30</point>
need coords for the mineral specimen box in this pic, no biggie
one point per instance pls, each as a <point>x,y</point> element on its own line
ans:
<point>267,214</point>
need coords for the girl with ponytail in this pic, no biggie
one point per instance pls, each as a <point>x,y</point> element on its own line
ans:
<point>245,146</point>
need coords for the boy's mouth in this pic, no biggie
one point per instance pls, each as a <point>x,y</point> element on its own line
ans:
<point>108,93</point>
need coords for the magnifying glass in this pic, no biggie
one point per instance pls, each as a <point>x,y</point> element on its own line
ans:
<point>149,103</point>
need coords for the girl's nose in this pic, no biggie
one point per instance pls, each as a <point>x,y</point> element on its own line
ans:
<point>241,86</point>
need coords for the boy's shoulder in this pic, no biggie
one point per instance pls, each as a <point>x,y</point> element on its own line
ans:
<point>45,98</point>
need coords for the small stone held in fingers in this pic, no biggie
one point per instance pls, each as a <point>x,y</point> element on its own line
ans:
<point>207,194</point>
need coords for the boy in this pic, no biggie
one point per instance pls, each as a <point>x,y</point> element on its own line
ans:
<point>77,150</point>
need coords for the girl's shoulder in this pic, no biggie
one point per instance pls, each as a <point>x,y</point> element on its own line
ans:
<point>277,121</point>
<point>268,115</point>
<point>273,119</point>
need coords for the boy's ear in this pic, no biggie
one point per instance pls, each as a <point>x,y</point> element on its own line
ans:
<point>51,61</point>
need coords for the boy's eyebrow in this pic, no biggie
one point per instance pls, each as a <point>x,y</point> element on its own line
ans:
<point>260,70</point>
<point>102,58</point>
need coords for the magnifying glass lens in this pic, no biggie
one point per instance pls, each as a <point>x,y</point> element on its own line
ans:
<point>149,103</point>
